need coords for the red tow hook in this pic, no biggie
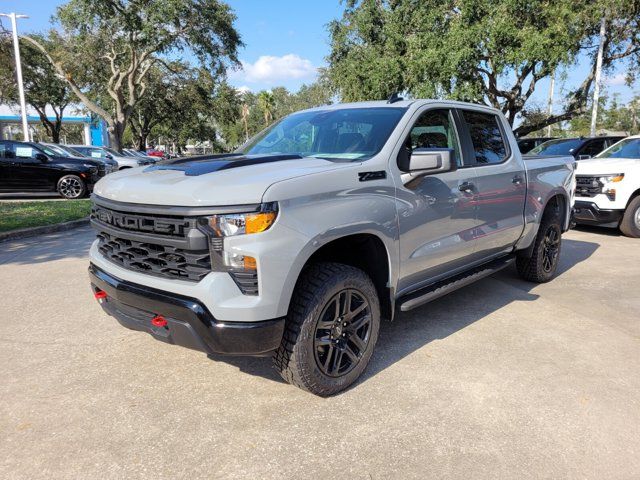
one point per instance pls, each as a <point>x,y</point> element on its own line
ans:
<point>100,295</point>
<point>159,321</point>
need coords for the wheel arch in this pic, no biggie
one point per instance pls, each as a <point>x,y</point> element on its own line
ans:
<point>367,251</point>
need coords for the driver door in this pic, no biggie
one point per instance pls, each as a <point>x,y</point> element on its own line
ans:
<point>29,172</point>
<point>437,213</point>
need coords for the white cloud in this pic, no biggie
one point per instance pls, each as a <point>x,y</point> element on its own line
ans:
<point>616,80</point>
<point>243,89</point>
<point>269,68</point>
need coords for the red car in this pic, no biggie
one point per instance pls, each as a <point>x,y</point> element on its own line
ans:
<point>155,153</point>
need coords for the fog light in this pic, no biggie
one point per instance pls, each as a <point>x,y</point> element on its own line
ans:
<point>610,193</point>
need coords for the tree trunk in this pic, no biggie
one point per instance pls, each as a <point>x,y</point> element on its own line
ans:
<point>55,132</point>
<point>142,140</point>
<point>116,132</point>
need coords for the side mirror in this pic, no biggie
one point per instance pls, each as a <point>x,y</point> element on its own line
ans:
<point>42,157</point>
<point>427,161</point>
<point>584,157</point>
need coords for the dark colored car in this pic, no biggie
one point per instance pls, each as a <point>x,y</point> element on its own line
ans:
<point>579,147</point>
<point>527,144</point>
<point>30,167</point>
<point>67,151</point>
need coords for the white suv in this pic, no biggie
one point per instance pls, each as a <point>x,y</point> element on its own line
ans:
<point>608,188</point>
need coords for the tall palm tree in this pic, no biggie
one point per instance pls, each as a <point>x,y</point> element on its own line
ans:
<point>245,120</point>
<point>267,103</point>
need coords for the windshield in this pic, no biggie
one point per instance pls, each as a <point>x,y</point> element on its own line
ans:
<point>51,150</point>
<point>350,133</point>
<point>557,147</point>
<point>112,151</point>
<point>73,151</point>
<point>627,148</point>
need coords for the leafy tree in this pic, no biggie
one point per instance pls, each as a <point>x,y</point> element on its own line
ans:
<point>44,92</point>
<point>132,36</point>
<point>485,51</point>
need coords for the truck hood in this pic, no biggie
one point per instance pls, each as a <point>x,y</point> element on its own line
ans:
<point>606,166</point>
<point>215,180</point>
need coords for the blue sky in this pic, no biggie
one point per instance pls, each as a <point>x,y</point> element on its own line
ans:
<point>286,40</point>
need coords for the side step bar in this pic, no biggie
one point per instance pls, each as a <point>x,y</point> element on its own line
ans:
<point>439,289</point>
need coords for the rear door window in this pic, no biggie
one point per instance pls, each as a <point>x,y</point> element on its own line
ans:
<point>593,148</point>
<point>488,142</point>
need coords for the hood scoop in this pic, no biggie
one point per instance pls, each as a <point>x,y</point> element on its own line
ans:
<point>201,165</point>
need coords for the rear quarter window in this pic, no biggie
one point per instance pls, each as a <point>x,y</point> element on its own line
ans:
<point>486,137</point>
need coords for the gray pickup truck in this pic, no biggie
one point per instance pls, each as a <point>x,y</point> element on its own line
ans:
<point>299,243</point>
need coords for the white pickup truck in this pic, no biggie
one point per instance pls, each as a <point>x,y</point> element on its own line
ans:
<point>300,242</point>
<point>608,188</point>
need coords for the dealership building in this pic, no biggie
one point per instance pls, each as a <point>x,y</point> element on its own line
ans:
<point>94,130</point>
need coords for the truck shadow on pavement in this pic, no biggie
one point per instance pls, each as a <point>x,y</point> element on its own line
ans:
<point>437,320</point>
<point>72,244</point>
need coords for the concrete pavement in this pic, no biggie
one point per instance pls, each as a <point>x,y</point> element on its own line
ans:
<point>502,379</point>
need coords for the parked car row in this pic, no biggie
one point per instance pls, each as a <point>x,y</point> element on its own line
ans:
<point>70,170</point>
<point>580,148</point>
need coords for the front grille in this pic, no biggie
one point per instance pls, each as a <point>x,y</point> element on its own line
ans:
<point>167,246</point>
<point>169,226</point>
<point>154,259</point>
<point>588,186</point>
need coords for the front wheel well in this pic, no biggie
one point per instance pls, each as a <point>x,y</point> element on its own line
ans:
<point>366,252</point>
<point>631,197</point>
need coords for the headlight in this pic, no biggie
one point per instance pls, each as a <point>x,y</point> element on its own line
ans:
<point>217,227</point>
<point>616,177</point>
<point>243,223</point>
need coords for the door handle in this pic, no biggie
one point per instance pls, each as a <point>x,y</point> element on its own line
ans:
<point>466,187</point>
<point>517,180</point>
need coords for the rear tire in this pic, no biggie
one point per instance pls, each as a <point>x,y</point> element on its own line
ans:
<point>331,329</point>
<point>72,187</point>
<point>540,263</point>
<point>630,224</point>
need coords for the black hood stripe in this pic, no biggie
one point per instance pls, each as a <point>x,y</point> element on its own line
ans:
<point>214,163</point>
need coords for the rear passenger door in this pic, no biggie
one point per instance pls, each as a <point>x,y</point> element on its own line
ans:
<point>501,185</point>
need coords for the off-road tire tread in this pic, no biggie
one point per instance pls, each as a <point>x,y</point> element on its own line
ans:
<point>306,299</point>
<point>530,266</point>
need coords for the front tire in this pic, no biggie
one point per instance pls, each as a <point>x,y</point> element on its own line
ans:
<point>540,264</point>
<point>630,224</point>
<point>72,187</point>
<point>331,330</point>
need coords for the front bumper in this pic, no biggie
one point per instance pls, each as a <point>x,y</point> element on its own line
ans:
<point>588,213</point>
<point>189,322</point>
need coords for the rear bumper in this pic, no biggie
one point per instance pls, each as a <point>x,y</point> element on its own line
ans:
<point>589,213</point>
<point>189,323</point>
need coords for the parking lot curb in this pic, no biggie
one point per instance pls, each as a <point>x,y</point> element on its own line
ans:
<point>33,231</point>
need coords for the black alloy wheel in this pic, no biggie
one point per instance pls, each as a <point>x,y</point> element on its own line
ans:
<point>342,333</point>
<point>551,248</point>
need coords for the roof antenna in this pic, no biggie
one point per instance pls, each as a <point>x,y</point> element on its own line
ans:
<point>395,98</point>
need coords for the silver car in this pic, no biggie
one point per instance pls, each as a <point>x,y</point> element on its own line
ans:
<point>105,152</point>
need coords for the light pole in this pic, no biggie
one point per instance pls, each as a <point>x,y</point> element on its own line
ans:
<point>16,52</point>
